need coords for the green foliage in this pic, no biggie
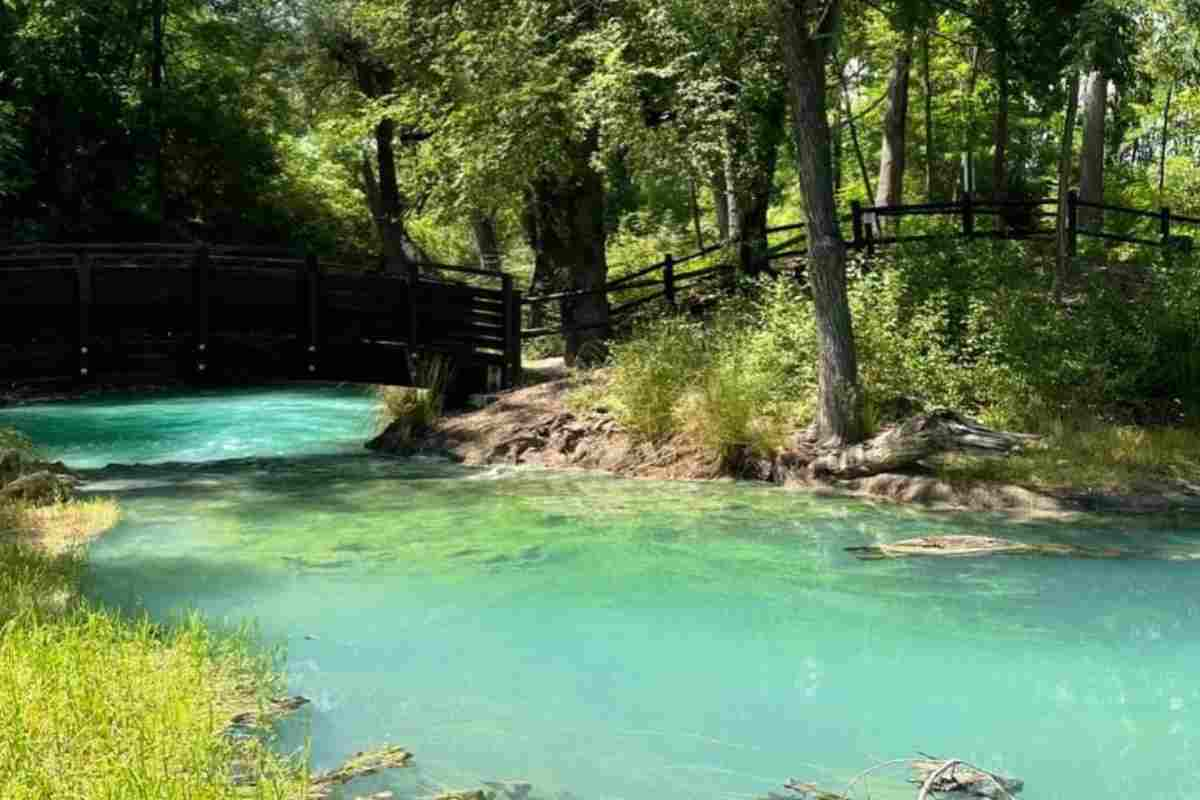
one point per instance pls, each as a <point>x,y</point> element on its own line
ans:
<point>741,379</point>
<point>975,328</point>
<point>414,410</point>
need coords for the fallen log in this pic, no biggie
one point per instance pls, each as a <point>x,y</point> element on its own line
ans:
<point>966,546</point>
<point>915,440</point>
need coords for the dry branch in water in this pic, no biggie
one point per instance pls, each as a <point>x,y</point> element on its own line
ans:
<point>935,776</point>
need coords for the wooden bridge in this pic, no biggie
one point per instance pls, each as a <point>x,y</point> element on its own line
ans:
<point>146,312</point>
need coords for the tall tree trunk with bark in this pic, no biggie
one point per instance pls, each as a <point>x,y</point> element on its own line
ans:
<point>890,191</point>
<point>927,86</point>
<point>487,242</point>
<point>1162,157</point>
<point>570,219</point>
<point>1066,145</point>
<point>1091,157</point>
<point>858,151</point>
<point>1000,133</point>
<point>720,202</point>
<point>543,280</point>
<point>806,29</point>
<point>158,67</point>
<point>751,178</point>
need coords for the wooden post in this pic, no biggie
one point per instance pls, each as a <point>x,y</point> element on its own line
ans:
<point>857,222</point>
<point>968,215</point>
<point>1166,226</point>
<point>669,279</point>
<point>312,269</point>
<point>1072,223</point>
<point>83,299</point>
<point>869,228</point>
<point>512,334</point>
<point>199,357</point>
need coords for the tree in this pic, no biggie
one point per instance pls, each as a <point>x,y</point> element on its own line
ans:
<point>806,30</point>
<point>892,159</point>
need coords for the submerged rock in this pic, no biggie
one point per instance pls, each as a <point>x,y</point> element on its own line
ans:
<point>963,545</point>
<point>39,488</point>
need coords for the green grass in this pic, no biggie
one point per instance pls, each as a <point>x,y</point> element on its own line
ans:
<point>94,704</point>
<point>414,409</point>
<point>1112,458</point>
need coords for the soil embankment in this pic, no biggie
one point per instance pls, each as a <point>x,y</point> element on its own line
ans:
<point>537,426</point>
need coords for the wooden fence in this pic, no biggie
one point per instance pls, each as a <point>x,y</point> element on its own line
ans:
<point>872,228</point>
<point>147,311</point>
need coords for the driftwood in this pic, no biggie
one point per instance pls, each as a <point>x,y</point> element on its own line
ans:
<point>965,546</point>
<point>915,440</point>
<point>954,776</point>
<point>359,765</point>
<point>278,707</point>
<point>933,775</point>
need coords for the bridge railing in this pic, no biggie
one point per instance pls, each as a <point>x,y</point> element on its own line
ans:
<point>92,311</point>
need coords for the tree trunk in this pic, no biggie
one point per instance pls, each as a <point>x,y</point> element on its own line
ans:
<point>389,222</point>
<point>806,51</point>
<point>890,191</point>
<point>753,181</point>
<point>158,12</point>
<point>695,205</point>
<point>1063,262</point>
<point>1162,158</point>
<point>543,280</point>
<point>570,211</point>
<point>858,151</point>
<point>1000,134</point>
<point>720,203</point>
<point>966,179</point>
<point>1091,158</point>
<point>487,243</point>
<point>927,84</point>
<point>913,441</point>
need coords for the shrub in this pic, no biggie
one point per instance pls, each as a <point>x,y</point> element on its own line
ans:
<point>413,410</point>
<point>969,326</point>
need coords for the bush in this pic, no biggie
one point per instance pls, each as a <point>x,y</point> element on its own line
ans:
<point>741,379</point>
<point>974,327</point>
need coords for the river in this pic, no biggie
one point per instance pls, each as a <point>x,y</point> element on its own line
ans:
<point>634,640</point>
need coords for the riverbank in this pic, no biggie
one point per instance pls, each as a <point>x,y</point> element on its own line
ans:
<point>103,705</point>
<point>561,422</point>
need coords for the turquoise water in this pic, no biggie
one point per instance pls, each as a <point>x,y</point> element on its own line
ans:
<point>601,638</point>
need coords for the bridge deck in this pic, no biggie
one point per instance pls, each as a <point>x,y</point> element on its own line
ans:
<point>144,312</point>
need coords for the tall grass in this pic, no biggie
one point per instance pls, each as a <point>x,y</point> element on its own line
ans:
<point>413,410</point>
<point>95,706</point>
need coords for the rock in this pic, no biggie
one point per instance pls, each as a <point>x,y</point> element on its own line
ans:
<point>39,488</point>
<point>975,546</point>
<point>12,464</point>
<point>474,794</point>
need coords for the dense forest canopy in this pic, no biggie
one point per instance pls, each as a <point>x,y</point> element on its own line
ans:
<point>562,140</point>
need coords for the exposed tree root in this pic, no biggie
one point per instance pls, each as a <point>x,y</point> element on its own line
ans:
<point>915,440</point>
